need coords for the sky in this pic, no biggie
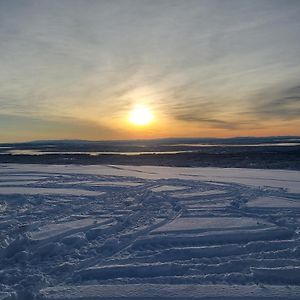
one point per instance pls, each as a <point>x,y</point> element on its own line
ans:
<point>76,69</point>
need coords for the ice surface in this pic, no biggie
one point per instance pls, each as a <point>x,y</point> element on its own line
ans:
<point>128,232</point>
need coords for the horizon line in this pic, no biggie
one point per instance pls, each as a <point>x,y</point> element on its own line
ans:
<point>151,139</point>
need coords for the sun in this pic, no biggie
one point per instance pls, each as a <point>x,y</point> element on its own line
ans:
<point>141,116</point>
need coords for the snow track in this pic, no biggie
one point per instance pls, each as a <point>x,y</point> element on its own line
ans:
<point>180,292</point>
<point>110,232</point>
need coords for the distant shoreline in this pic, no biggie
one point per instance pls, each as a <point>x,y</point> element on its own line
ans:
<point>287,158</point>
<point>256,153</point>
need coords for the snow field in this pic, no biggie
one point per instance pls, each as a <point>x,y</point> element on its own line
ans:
<point>124,232</point>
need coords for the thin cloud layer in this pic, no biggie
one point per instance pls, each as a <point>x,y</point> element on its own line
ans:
<point>213,67</point>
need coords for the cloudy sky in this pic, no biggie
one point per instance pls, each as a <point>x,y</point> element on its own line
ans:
<point>77,68</point>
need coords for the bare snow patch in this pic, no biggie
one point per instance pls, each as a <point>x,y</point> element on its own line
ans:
<point>46,191</point>
<point>113,183</point>
<point>16,183</point>
<point>274,202</point>
<point>170,291</point>
<point>57,229</point>
<point>199,193</point>
<point>167,188</point>
<point>204,224</point>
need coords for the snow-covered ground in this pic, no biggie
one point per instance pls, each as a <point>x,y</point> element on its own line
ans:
<point>128,232</point>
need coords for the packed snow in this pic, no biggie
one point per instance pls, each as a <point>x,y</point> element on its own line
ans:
<point>73,232</point>
<point>276,202</point>
<point>198,194</point>
<point>46,191</point>
<point>210,223</point>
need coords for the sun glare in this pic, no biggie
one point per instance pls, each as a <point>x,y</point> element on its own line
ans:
<point>141,116</point>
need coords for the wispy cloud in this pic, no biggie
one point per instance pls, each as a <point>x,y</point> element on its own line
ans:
<point>284,105</point>
<point>227,64</point>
